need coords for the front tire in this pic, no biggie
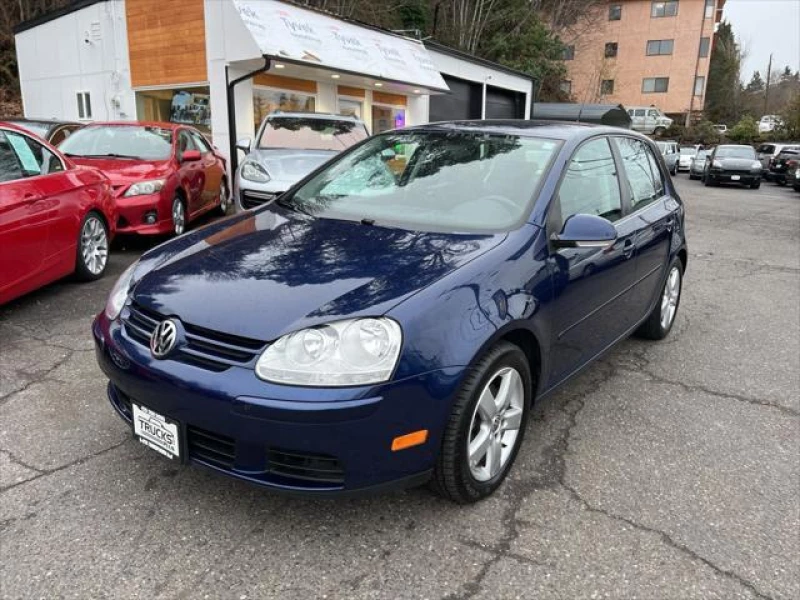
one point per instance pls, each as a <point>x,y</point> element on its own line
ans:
<point>659,323</point>
<point>755,185</point>
<point>92,258</point>
<point>486,426</point>
<point>178,216</point>
<point>224,199</point>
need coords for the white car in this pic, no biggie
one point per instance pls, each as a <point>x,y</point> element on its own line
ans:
<point>649,120</point>
<point>769,123</point>
<point>686,156</point>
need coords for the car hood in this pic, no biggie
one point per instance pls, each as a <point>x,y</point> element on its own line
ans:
<point>737,164</point>
<point>266,273</point>
<point>290,166</point>
<point>124,171</point>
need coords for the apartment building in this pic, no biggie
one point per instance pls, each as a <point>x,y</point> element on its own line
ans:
<point>643,53</point>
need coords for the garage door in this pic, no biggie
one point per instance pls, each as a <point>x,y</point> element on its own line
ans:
<point>463,101</point>
<point>504,104</point>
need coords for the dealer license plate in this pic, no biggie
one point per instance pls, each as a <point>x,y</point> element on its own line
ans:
<point>156,431</point>
<point>735,178</point>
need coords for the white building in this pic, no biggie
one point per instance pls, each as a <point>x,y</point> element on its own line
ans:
<point>162,60</point>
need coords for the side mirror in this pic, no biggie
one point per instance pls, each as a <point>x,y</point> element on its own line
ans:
<point>585,231</point>
<point>243,144</point>
<point>190,155</point>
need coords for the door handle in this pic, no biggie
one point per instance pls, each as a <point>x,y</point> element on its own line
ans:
<point>627,248</point>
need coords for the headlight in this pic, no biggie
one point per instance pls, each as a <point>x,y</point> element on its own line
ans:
<point>716,164</point>
<point>119,293</point>
<point>254,172</point>
<point>755,165</point>
<point>145,187</point>
<point>344,353</point>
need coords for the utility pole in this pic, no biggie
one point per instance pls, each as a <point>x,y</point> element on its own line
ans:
<point>766,92</point>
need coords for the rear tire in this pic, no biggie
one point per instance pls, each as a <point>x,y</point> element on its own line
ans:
<point>93,246</point>
<point>659,323</point>
<point>486,426</point>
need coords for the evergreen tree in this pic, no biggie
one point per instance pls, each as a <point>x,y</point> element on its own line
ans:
<point>722,90</point>
<point>756,83</point>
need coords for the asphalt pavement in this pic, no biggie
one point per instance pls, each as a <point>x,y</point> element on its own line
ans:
<point>668,470</point>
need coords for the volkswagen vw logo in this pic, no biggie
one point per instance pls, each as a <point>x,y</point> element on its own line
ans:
<point>164,338</point>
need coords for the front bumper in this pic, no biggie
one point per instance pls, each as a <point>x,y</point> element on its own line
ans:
<point>337,440</point>
<point>132,214</point>
<point>250,194</point>
<point>725,177</point>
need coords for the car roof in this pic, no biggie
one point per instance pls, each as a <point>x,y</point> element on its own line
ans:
<point>533,128</point>
<point>42,121</point>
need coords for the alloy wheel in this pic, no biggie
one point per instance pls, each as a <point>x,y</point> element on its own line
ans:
<point>223,198</point>
<point>495,424</point>
<point>669,299</point>
<point>178,217</point>
<point>94,245</point>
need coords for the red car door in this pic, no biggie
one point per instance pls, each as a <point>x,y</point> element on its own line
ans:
<point>212,169</point>
<point>190,172</point>
<point>26,213</point>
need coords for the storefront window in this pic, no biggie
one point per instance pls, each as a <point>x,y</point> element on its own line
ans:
<point>189,106</point>
<point>385,118</point>
<point>266,101</point>
<point>351,108</point>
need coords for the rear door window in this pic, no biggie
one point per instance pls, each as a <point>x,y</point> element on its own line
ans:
<point>34,158</point>
<point>645,184</point>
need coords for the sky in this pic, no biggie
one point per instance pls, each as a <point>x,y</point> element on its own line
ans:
<point>764,26</point>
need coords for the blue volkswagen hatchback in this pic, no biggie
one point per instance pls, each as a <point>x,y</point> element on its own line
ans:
<point>391,319</point>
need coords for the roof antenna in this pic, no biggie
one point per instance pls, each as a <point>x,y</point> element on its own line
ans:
<point>580,111</point>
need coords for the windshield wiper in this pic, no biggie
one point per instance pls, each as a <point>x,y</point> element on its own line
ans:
<point>109,155</point>
<point>285,203</point>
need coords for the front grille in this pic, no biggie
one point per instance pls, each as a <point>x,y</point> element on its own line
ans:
<point>251,199</point>
<point>203,348</point>
<point>213,448</point>
<point>305,467</point>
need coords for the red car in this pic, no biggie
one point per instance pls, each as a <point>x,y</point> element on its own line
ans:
<point>55,218</point>
<point>164,175</point>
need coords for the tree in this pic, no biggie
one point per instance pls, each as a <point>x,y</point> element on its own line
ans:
<point>756,83</point>
<point>722,90</point>
<point>745,131</point>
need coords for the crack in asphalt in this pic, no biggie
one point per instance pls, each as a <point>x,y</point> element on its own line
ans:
<point>20,462</point>
<point>553,473</point>
<point>76,462</point>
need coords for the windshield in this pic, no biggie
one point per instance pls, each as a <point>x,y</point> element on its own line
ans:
<point>702,154</point>
<point>119,141</point>
<point>736,152</point>
<point>440,181</point>
<point>688,151</point>
<point>311,133</point>
<point>663,146</point>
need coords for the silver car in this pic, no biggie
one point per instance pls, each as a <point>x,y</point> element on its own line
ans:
<point>289,146</point>
<point>669,150</point>
<point>698,166</point>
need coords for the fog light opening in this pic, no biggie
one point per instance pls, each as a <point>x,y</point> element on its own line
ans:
<point>150,217</point>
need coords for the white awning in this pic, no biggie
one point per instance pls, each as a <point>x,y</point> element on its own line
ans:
<point>296,34</point>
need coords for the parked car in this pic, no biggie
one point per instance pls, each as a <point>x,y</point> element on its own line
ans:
<point>392,323</point>
<point>732,164</point>
<point>55,218</point>
<point>288,147</point>
<point>781,164</point>
<point>766,152</point>
<point>687,154</point>
<point>698,165</point>
<point>721,128</point>
<point>164,175</point>
<point>51,130</point>
<point>769,123</point>
<point>794,176</point>
<point>671,154</point>
<point>649,119</point>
